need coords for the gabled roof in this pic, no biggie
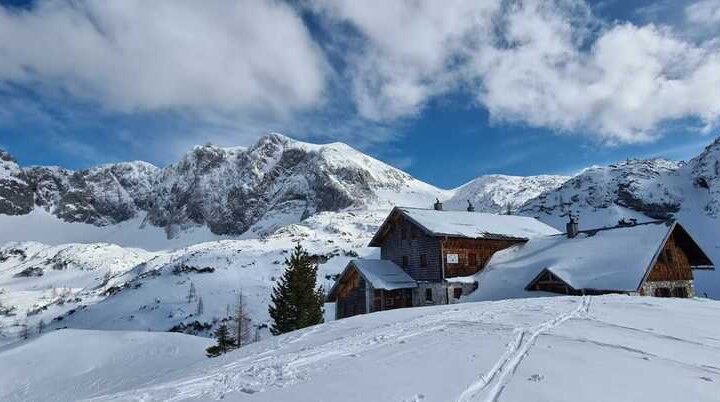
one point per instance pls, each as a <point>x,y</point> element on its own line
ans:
<point>381,274</point>
<point>473,225</point>
<point>607,259</point>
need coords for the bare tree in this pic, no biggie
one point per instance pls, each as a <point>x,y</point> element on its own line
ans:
<point>41,326</point>
<point>200,307</point>
<point>243,323</point>
<point>24,330</point>
<point>192,293</point>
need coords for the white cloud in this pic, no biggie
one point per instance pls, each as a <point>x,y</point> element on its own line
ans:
<point>705,12</point>
<point>544,63</point>
<point>134,55</point>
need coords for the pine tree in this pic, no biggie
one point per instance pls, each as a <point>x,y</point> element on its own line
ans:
<point>243,323</point>
<point>297,301</point>
<point>192,293</point>
<point>224,342</point>
<point>24,331</point>
<point>200,307</point>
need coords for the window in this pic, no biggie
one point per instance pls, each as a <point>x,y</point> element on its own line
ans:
<point>428,295</point>
<point>662,292</point>
<point>457,292</point>
<point>472,259</point>
<point>405,262</point>
<point>423,260</point>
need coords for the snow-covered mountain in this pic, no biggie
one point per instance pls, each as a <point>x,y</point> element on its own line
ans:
<point>501,193</point>
<point>277,181</point>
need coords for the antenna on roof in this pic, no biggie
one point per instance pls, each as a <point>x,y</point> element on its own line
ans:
<point>438,205</point>
<point>470,207</point>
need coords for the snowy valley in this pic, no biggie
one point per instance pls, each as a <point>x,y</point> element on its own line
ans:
<point>118,247</point>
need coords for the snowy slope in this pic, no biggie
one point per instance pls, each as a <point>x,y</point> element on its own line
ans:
<point>605,348</point>
<point>498,193</point>
<point>69,365</point>
<point>147,290</point>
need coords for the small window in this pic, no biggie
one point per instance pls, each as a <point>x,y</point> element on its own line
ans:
<point>472,259</point>
<point>662,292</point>
<point>405,262</point>
<point>428,295</point>
<point>423,260</point>
<point>457,292</point>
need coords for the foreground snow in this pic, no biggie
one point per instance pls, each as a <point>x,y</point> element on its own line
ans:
<point>552,349</point>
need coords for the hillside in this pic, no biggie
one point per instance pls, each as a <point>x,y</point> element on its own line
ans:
<point>604,348</point>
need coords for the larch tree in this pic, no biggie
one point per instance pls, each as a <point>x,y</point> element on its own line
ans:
<point>243,323</point>
<point>297,302</point>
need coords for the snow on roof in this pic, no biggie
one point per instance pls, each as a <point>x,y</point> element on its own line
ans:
<point>604,259</point>
<point>477,224</point>
<point>384,274</point>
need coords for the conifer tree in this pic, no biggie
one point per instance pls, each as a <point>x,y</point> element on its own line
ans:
<point>297,302</point>
<point>224,342</point>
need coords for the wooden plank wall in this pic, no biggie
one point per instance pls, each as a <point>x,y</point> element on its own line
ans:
<point>351,296</point>
<point>482,248</point>
<point>416,242</point>
<point>672,264</point>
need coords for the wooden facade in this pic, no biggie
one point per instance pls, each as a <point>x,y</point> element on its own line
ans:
<point>351,296</point>
<point>671,275</point>
<point>473,254</point>
<point>421,254</point>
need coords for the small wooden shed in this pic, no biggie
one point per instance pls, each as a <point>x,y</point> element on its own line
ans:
<point>366,286</point>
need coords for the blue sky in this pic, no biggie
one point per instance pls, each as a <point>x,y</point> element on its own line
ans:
<point>447,93</point>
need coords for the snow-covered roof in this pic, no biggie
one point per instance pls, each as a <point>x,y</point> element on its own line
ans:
<point>603,259</point>
<point>381,274</point>
<point>474,225</point>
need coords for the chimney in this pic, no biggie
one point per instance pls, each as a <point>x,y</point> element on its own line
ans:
<point>438,205</point>
<point>572,226</point>
<point>470,207</point>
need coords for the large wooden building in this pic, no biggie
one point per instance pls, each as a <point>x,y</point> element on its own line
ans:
<point>431,256</point>
<point>431,247</point>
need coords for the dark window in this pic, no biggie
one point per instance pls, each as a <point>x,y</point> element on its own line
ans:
<point>428,295</point>
<point>662,292</point>
<point>423,260</point>
<point>457,292</point>
<point>472,259</point>
<point>405,262</point>
<point>680,292</point>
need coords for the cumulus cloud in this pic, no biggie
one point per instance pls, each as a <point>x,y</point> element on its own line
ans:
<point>546,63</point>
<point>135,55</point>
<point>705,12</point>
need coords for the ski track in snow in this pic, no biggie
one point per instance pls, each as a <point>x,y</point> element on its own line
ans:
<point>258,372</point>
<point>504,369</point>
